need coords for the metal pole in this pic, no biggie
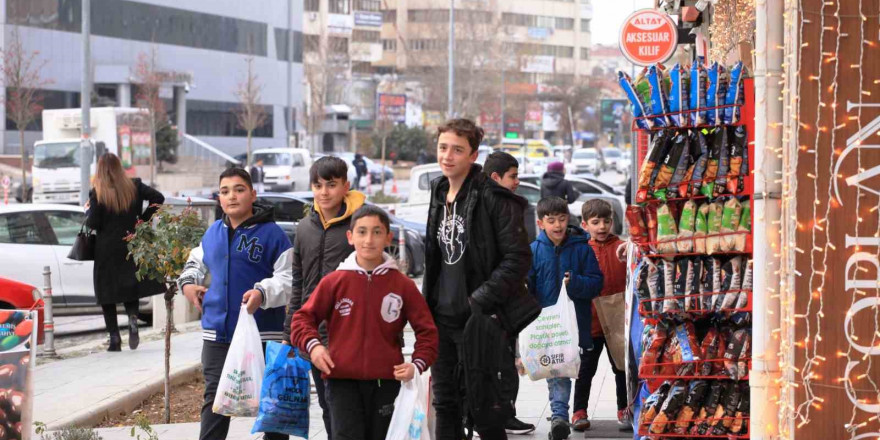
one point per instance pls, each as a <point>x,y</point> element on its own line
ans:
<point>571,128</point>
<point>401,246</point>
<point>85,101</point>
<point>48,321</point>
<point>291,125</point>
<point>503,99</point>
<point>451,92</point>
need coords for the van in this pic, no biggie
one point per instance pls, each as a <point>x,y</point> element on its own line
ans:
<point>285,169</point>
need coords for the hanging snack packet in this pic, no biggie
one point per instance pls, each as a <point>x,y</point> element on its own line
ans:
<point>682,265</point>
<point>713,240</point>
<point>730,218</point>
<point>639,109</point>
<point>735,94</point>
<point>669,303</point>
<point>653,351</point>
<point>671,406</point>
<point>701,229</point>
<point>742,300</point>
<point>709,347</point>
<point>738,154</point>
<point>681,167</point>
<point>692,288</point>
<point>671,356</point>
<point>651,219</point>
<point>642,283</point>
<point>744,227</point>
<point>737,348</point>
<point>655,285</point>
<point>697,95</point>
<point>707,283</point>
<point>687,226</point>
<point>708,408</point>
<point>689,349</point>
<point>651,166</point>
<point>723,417</point>
<point>742,410</point>
<point>731,283</point>
<point>695,396</point>
<point>667,169</point>
<point>652,404</point>
<point>690,185</point>
<point>723,165</point>
<point>678,95</point>
<point>718,139</point>
<point>638,230</point>
<point>659,90</point>
<point>666,230</point>
<point>715,94</point>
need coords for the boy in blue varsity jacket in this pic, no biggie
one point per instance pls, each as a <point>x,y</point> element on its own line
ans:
<point>248,258</point>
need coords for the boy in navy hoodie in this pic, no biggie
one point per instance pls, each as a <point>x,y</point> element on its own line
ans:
<point>366,303</point>
<point>562,254</point>
<point>248,258</point>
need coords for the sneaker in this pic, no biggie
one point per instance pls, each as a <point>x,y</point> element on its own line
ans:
<point>579,421</point>
<point>625,420</point>
<point>516,426</point>
<point>559,429</point>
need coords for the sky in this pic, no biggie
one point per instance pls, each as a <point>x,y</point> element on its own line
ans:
<point>608,16</point>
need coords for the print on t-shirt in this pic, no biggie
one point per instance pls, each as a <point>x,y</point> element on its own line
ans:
<point>451,237</point>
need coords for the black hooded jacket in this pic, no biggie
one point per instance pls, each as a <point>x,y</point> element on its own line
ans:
<point>554,184</point>
<point>498,257</point>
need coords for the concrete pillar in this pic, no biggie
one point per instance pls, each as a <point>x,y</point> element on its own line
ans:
<point>180,109</point>
<point>123,95</point>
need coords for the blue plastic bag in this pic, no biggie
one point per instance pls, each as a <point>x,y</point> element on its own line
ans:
<point>284,398</point>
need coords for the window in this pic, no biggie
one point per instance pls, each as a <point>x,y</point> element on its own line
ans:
<point>312,5</point>
<point>367,5</point>
<point>286,210</point>
<point>389,45</point>
<point>340,6</point>
<point>564,23</point>
<point>427,45</point>
<point>585,25</point>
<point>298,160</point>
<point>65,225</point>
<point>585,53</point>
<point>543,21</point>
<point>442,16</point>
<point>21,228</point>
<point>212,118</point>
<point>282,39</point>
<point>426,178</point>
<point>389,16</point>
<point>365,36</point>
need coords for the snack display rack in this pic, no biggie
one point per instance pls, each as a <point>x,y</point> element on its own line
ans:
<point>701,309</point>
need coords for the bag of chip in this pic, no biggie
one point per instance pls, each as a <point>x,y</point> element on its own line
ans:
<point>678,95</point>
<point>744,227</point>
<point>713,240</point>
<point>639,109</point>
<point>735,94</point>
<point>651,406</point>
<point>731,282</point>
<point>687,226</point>
<point>669,303</point>
<point>660,145</point>
<point>715,93</point>
<point>671,358</point>
<point>635,218</point>
<point>671,406</point>
<point>667,168</point>
<point>689,350</point>
<point>701,229</point>
<point>655,285</point>
<point>697,95</point>
<point>699,155</point>
<point>659,90</point>
<point>696,394</point>
<point>742,300</point>
<point>709,348</point>
<point>681,168</point>
<point>738,169</point>
<point>652,223</point>
<point>720,186</point>
<point>667,231</point>
<point>742,410</point>
<point>730,219</point>
<point>726,409</point>
<point>692,285</point>
<point>708,409</point>
<point>642,286</point>
<point>715,141</point>
<point>652,351</point>
<point>737,348</point>
<point>706,284</point>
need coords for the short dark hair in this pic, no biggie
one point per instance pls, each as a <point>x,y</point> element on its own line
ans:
<point>371,211</point>
<point>237,172</point>
<point>464,128</point>
<point>499,162</point>
<point>552,206</point>
<point>328,168</point>
<point>596,208</point>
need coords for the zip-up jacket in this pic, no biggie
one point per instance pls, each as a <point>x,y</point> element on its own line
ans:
<point>255,255</point>
<point>551,262</point>
<point>613,274</point>
<point>318,248</point>
<point>365,314</point>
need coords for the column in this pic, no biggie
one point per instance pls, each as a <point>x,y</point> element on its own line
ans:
<point>123,95</point>
<point>180,109</point>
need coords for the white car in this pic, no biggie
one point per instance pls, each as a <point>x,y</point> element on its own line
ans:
<point>613,158</point>
<point>585,161</point>
<point>285,168</point>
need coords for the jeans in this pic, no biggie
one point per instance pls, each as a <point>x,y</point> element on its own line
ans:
<point>361,409</point>
<point>215,426</point>
<point>320,390</point>
<point>589,365</point>
<point>560,394</point>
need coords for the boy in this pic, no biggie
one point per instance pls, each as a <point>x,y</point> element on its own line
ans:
<point>597,215</point>
<point>366,303</point>
<point>562,254</point>
<point>504,170</point>
<point>320,245</point>
<point>248,258</point>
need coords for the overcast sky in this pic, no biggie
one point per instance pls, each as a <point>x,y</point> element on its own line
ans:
<point>608,16</point>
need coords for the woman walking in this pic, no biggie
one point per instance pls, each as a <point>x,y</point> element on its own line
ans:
<point>115,206</point>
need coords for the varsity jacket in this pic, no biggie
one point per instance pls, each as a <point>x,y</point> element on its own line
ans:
<point>365,314</point>
<point>256,255</point>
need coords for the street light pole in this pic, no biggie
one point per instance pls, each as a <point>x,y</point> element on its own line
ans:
<point>85,101</point>
<point>451,91</point>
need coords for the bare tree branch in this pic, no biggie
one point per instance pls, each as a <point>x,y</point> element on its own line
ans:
<point>251,113</point>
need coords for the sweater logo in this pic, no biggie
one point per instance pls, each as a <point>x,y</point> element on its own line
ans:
<point>391,306</point>
<point>343,306</point>
<point>253,247</point>
<point>451,238</point>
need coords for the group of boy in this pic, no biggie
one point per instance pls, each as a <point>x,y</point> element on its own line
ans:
<point>341,300</point>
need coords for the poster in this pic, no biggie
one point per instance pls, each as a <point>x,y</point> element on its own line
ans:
<point>18,339</point>
<point>534,116</point>
<point>392,107</point>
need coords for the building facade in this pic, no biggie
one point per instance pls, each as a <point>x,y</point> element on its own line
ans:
<point>200,47</point>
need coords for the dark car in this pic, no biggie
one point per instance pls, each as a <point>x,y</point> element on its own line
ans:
<point>290,208</point>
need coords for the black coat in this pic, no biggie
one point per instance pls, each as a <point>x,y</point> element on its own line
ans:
<point>553,184</point>
<point>498,257</point>
<point>114,273</point>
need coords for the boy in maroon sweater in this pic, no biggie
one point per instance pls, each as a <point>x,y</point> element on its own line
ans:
<point>366,303</point>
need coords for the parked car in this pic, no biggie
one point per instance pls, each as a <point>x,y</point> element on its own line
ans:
<point>21,296</point>
<point>585,160</point>
<point>33,236</point>
<point>532,193</point>
<point>483,152</point>
<point>290,208</point>
<point>375,169</point>
<point>613,158</point>
<point>286,169</point>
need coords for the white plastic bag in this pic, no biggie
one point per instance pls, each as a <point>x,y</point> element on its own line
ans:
<point>410,418</point>
<point>238,393</point>
<point>549,345</point>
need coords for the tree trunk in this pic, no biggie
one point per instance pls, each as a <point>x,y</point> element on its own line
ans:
<point>248,159</point>
<point>384,138</point>
<point>24,191</point>
<point>169,327</point>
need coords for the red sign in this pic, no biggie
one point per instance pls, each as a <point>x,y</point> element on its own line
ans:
<point>648,37</point>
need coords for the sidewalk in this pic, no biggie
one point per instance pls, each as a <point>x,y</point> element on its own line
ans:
<point>82,391</point>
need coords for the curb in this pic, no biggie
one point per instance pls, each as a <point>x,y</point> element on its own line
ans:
<point>127,402</point>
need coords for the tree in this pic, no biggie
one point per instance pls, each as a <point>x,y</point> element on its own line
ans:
<point>23,80</point>
<point>251,114</point>
<point>149,79</point>
<point>166,145</point>
<point>407,142</point>
<point>570,98</point>
<point>326,65</point>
